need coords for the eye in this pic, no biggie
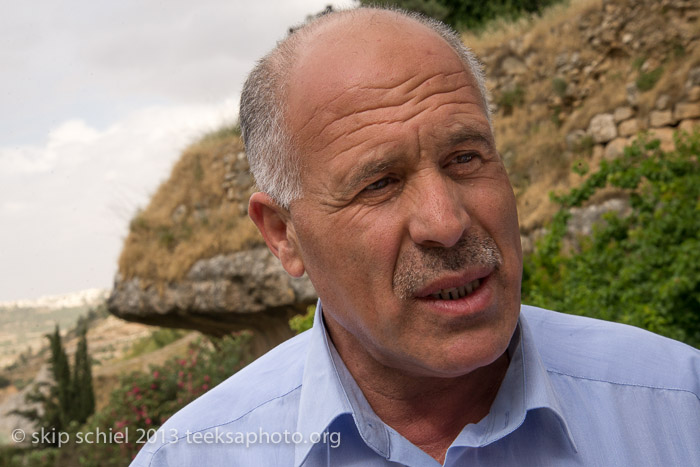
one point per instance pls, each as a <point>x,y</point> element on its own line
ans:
<point>380,184</point>
<point>465,163</point>
<point>464,158</point>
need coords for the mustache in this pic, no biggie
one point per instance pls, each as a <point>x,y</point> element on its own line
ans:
<point>424,264</point>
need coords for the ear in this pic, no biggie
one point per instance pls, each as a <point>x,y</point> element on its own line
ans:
<point>275,225</point>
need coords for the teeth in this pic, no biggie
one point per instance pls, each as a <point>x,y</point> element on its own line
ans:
<point>456,292</point>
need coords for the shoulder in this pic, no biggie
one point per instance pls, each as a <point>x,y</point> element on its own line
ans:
<point>263,394</point>
<point>274,375</point>
<point>616,353</point>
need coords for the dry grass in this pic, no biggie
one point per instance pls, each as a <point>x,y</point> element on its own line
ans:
<point>529,29</point>
<point>162,247</point>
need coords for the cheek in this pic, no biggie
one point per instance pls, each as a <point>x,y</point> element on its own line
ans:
<point>494,206</point>
<point>356,249</point>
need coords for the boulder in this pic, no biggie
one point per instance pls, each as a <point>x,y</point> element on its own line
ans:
<point>248,290</point>
<point>602,128</point>
<point>623,113</point>
<point>660,118</point>
<point>615,148</point>
<point>690,125</point>
<point>685,110</point>
<point>628,127</point>
<point>582,219</point>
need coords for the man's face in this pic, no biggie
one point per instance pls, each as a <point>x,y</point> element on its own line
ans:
<point>407,226</point>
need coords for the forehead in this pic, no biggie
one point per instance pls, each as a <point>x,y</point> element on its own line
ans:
<point>372,68</point>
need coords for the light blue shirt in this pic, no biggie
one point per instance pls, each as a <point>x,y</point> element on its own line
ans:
<point>577,391</point>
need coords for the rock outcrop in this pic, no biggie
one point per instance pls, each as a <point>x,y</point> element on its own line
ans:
<point>221,295</point>
<point>194,260</point>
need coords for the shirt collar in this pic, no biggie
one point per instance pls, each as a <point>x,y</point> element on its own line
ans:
<point>329,391</point>
<point>526,386</point>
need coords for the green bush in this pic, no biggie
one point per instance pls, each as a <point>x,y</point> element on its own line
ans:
<point>157,340</point>
<point>301,323</point>
<point>642,269</point>
<point>467,14</point>
<point>559,86</point>
<point>647,80</point>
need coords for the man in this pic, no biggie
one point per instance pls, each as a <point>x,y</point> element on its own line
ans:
<point>369,135</point>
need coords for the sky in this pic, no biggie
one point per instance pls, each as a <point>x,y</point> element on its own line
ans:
<point>98,99</point>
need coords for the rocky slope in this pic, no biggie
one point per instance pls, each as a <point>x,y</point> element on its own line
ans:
<point>578,84</point>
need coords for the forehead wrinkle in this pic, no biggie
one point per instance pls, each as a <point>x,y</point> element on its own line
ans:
<point>404,92</point>
<point>406,119</point>
<point>416,111</point>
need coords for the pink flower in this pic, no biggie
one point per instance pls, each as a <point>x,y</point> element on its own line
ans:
<point>156,374</point>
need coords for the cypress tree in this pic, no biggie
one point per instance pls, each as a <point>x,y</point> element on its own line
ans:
<point>63,388</point>
<point>71,396</point>
<point>83,394</point>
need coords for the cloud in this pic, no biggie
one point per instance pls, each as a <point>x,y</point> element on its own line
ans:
<point>66,205</point>
<point>99,100</point>
<point>99,61</point>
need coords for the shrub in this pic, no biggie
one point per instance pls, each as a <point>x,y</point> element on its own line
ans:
<point>144,401</point>
<point>301,323</point>
<point>559,86</point>
<point>647,80</point>
<point>642,269</point>
<point>157,340</point>
<point>467,14</point>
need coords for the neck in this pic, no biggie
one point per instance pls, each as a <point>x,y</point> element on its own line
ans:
<point>430,412</point>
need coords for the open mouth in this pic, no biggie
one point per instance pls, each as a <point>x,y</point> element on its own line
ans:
<point>456,293</point>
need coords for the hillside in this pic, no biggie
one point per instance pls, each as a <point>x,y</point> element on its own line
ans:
<point>577,84</point>
<point>24,323</point>
<point>570,88</point>
<point>111,343</point>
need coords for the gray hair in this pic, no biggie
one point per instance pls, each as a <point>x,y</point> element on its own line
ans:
<point>274,161</point>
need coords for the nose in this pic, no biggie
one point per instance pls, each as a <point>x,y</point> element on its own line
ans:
<point>438,218</point>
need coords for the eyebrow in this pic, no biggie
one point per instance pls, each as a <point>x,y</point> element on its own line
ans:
<point>468,135</point>
<point>363,173</point>
<point>367,171</point>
